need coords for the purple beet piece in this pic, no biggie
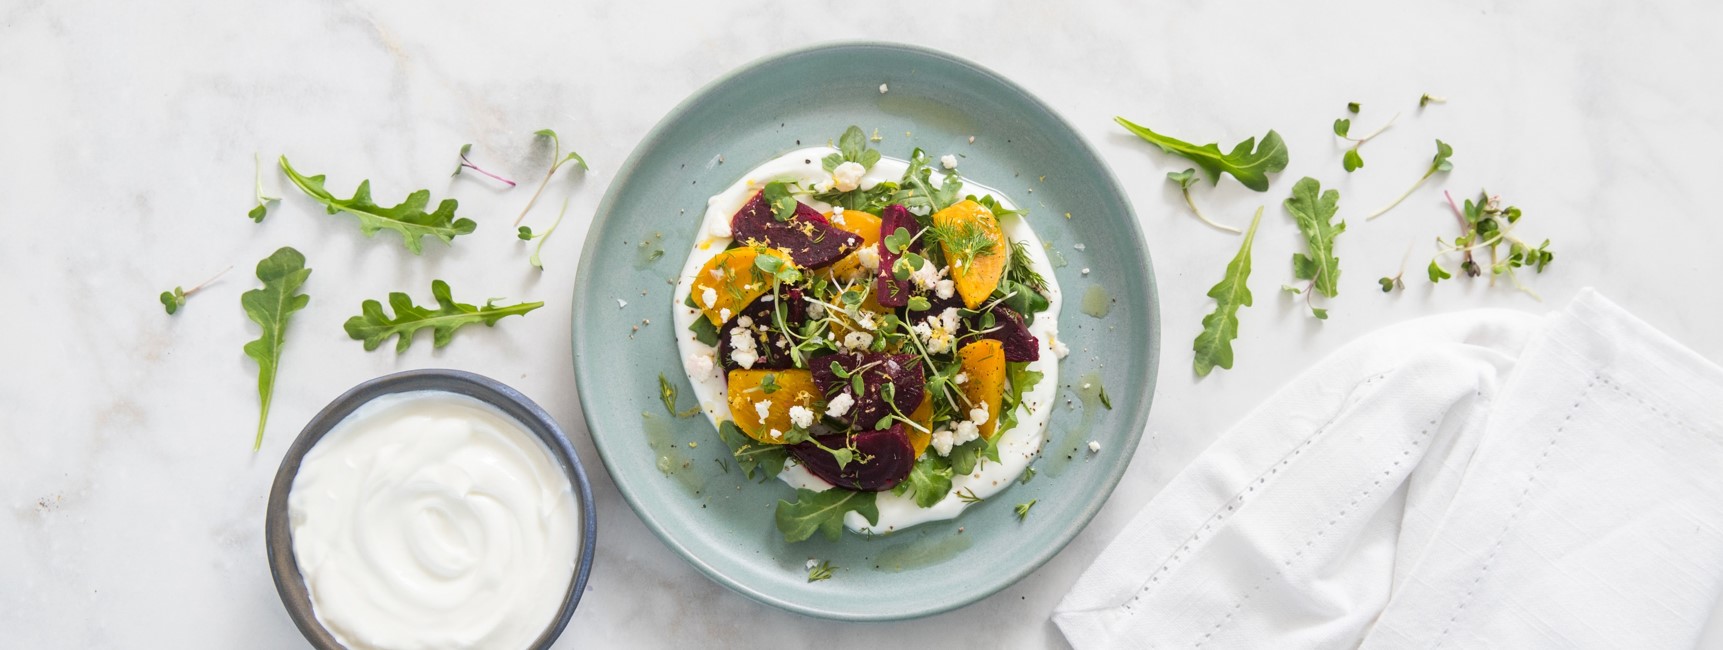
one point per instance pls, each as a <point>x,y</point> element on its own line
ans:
<point>810,241</point>
<point>887,453</point>
<point>888,290</point>
<point>769,342</point>
<point>1012,332</point>
<point>902,371</point>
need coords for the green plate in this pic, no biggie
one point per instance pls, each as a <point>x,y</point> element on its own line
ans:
<point>676,473</point>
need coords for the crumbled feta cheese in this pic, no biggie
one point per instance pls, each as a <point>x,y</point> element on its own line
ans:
<point>965,432</point>
<point>960,379</point>
<point>717,274</point>
<point>1094,447</point>
<point>776,434</point>
<point>926,277</point>
<point>743,349</point>
<point>709,297</point>
<point>972,139</point>
<point>948,161</point>
<point>847,176</point>
<point>1059,349</point>
<point>620,303</point>
<point>857,340</point>
<point>763,408</point>
<point>864,318</point>
<point>840,405</point>
<point>979,413</point>
<point>1078,246</point>
<point>724,314</point>
<point>945,289</point>
<point>941,442</point>
<point>701,363</point>
<point>744,321</point>
<point>801,416</point>
<point>868,256</point>
<point>837,210</point>
<point>1085,270</point>
<point>816,310</point>
<point>744,358</point>
<point>812,563</point>
<point>882,89</point>
<point>768,298</point>
<point>938,332</point>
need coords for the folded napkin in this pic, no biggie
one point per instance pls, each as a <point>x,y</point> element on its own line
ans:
<point>1476,480</point>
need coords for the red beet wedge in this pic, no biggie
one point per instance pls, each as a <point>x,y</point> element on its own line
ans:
<point>769,341</point>
<point>882,459</point>
<point>1012,331</point>
<point>888,290</point>
<point>901,371</point>
<point>805,236</point>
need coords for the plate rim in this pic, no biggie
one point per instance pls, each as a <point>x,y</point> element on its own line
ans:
<point>1020,569</point>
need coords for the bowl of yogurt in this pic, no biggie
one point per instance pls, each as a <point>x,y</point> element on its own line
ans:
<point>430,508</point>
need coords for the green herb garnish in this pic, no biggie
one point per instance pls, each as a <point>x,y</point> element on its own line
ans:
<point>821,571</point>
<point>1313,210</point>
<point>1440,163</point>
<point>852,147</point>
<point>1427,99</point>
<point>667,394</point>
<point>1487,226</point>
<point>751,454</point>
<point>373,326</point>
<point>262,210</point>
<point>409,218</point>
<point>282,273</point>
<point>1214,345</point>
<point>1249,161</point>
<point>1352,161</point>
<point>468,164</point>
<point>823,512</point>
<point>526,234</point>
<point>1022,509</point>
<point>173,300</point>
<point>1185,180</point>
<point>557,161</point>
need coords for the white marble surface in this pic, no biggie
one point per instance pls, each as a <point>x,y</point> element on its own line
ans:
<point>133,504</point>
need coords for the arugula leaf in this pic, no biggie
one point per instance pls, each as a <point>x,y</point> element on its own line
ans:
<point>557,161</point>
<point>262,210</point>
<point>1214,345</point>
<point>751,454</point>
<point>282,273</point>
<point>918,193</point>
<point>930,478</point>
<point>1185,180</point>
<point>1314,215</point>
<point>1249,162</point>
<point>1020,379</point>
<point>373,326</point>
<point>409,218</point>
<point>704,331</point>
<point>852,147</point>
<point>822,512</point>
<point>468,164</point>
<point>1440,163</point>
<point>1023,299</point>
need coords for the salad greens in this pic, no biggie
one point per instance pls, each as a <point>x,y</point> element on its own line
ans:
<point>526,234</point>
<point>1352,161</point>
<point>373,326</point>
<point>1185,180</point>
<point>1487,226</point>
<point>408,218</point>
<point>1214,345</point>
<point>823,512</point>
<point>262,210</point>
<point>468,164</point>
<point>1313,210</point>
<point>1250,162</point>
<point>557,161</point>
<point>173,300</point>
<point>282,273</point>
<point>1439,163</point>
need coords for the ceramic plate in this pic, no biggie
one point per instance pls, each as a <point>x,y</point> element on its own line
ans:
<point>675,472</point>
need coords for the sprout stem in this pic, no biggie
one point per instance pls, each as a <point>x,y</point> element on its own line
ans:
<point>1205,219</point>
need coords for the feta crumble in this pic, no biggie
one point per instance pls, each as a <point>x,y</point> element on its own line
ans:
<point>945,289</point>
<point>868,257</point>
<point>882,89</point>
<point>1094,447</point>
<point>840,405</point>
<point>857,340</point>
<point>948,161</point>
<point>701,363</point>
<point>1059,348</point>
<point>847,176</point>
<point>709,297</point>
<point>801,416</point>
<point>620,303</point>
<point>763,408</point>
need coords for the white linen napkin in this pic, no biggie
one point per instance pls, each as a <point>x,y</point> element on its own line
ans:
<point>1482,479</point>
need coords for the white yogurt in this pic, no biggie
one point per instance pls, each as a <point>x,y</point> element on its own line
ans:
<point>433,520</point>
<point>1018,446</point>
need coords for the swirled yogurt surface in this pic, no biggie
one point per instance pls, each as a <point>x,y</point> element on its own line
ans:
<point>430,519</point>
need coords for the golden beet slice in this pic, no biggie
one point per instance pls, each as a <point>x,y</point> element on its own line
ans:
<point>923,416</point>
<point>731,280</point>
<point>778,390</point>
<point>863,225</point>
<point>975,266</point>
<point>984,363</point>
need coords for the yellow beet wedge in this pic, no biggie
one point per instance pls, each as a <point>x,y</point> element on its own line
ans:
<point>788,388</point>
<point>863,225</point>
<point>964,232</point>
<point>733,281</point>
<point>923,416</point>
<point>984,363</point>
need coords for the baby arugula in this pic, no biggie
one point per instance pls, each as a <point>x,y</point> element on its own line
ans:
<point>1214,345</point>
<point>262,210</point>
<point>173,300</point>
<point>823,512</point>
<point>1313,210</point>
<point>1185,180</point>
<point>1438,164</point>
<point>557,161</point>
<point>1249,161</point>
<point>752,455</point>
<point>373,326</point>
<point>468,164</point>
<point>409,218</point>
<point>282,273</point>
<point>852,147</point>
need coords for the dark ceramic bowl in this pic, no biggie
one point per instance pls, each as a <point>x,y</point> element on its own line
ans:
<point>278,531</point>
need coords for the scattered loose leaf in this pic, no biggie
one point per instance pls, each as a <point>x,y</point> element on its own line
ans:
<point>1249,161</point>
<point>823,512</point>
<point>282,273</point>
<point>1214,345</point>
<point>1313,210</point>
<point>1440,163</point>
<point>409,218</point>
<point>262,210</point>
<point>373,326</point>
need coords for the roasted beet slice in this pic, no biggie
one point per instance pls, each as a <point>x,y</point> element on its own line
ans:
<point>882,459</point>
<point>902,371</point>
<point>1012,331</point>
<point>769,343</point>
<point>888,290</point>
<point>809,240</point>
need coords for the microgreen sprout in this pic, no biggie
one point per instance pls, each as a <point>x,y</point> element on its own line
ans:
<point>468,164</point>
<point>1440,163</point>
<point>262,210</point>
<point>1185,180</point>
<point>1343,127</point>
<point>1428,99</point>
<point>557,161</point>
<point>1486,226</point>
<point>526,234</point>
<point>1389,284</point>
<point>173,300</point>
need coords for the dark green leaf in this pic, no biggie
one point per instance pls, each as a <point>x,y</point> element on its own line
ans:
<point>282,273</point>
<point>823,512</point>
<point>1352,107</point>
<point>751,454</point>
<point>704,331</point>
<point>373,326</point>
<point>408,218</point>
<point>1313,210</point>
<point>1249,162</point>
<point>930,478</point>
<point>1184,179</point>
<point>1342,127</point>
<point>1352,161</point>
<point>1214,345</point>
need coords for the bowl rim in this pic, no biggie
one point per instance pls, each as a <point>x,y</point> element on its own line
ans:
<point>278,530</point>
<point>583,286</point>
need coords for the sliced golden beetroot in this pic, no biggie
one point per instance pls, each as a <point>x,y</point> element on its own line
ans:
<point>863,225</point>
<point>984,363</point>
<point>807,238</point>
<point>881,459</point>
<point>923,416</point>
<point>731,280</point>
<point>760,400</point>
<point>975,267</point>
<point>877,370</point>
<point>889,290</point>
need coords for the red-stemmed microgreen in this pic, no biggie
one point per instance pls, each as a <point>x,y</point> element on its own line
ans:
<point>468,164</point>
